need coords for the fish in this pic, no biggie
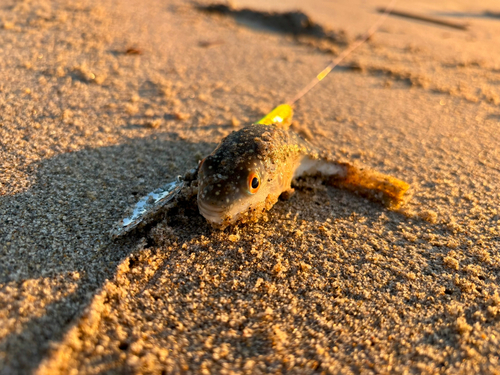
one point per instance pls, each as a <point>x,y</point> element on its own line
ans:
<point>251,168</point>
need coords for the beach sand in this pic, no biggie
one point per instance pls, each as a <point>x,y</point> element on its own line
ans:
<point>102,101</point>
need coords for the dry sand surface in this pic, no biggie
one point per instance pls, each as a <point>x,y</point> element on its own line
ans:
<point>102,101</point>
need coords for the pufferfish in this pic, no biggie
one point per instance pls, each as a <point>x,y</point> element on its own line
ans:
<point>252,167</point>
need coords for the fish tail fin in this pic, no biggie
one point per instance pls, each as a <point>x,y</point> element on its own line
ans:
<point>389,190</point>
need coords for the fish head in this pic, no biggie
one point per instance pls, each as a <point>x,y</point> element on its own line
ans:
<point>236,183</point>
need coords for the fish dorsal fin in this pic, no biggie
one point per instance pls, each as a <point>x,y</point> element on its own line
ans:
<point>281,117</point>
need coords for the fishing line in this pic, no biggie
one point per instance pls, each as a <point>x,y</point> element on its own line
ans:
<point>344,54</point>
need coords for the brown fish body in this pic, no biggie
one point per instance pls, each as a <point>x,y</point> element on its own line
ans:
<point>271,154</point>
<point>248,171</point>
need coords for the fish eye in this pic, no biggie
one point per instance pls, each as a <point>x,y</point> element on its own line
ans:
<point>253,182</point>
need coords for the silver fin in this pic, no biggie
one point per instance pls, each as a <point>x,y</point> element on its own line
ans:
<point>147,206</point>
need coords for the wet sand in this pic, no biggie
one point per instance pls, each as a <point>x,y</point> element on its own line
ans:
<point>101,102</point>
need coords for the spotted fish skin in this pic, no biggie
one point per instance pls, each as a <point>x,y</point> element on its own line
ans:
<point>277,156</point>
<point>271,152</point>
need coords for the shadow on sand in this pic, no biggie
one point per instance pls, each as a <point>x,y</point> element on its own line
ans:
<point>60,226</point>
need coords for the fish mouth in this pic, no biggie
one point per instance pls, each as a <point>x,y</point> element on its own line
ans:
<point>214,214</point>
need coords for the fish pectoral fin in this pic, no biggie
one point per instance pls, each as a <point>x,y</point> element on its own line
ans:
<point>281,117</point>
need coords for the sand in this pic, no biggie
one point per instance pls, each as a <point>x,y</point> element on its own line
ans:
<point>102,101</point>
